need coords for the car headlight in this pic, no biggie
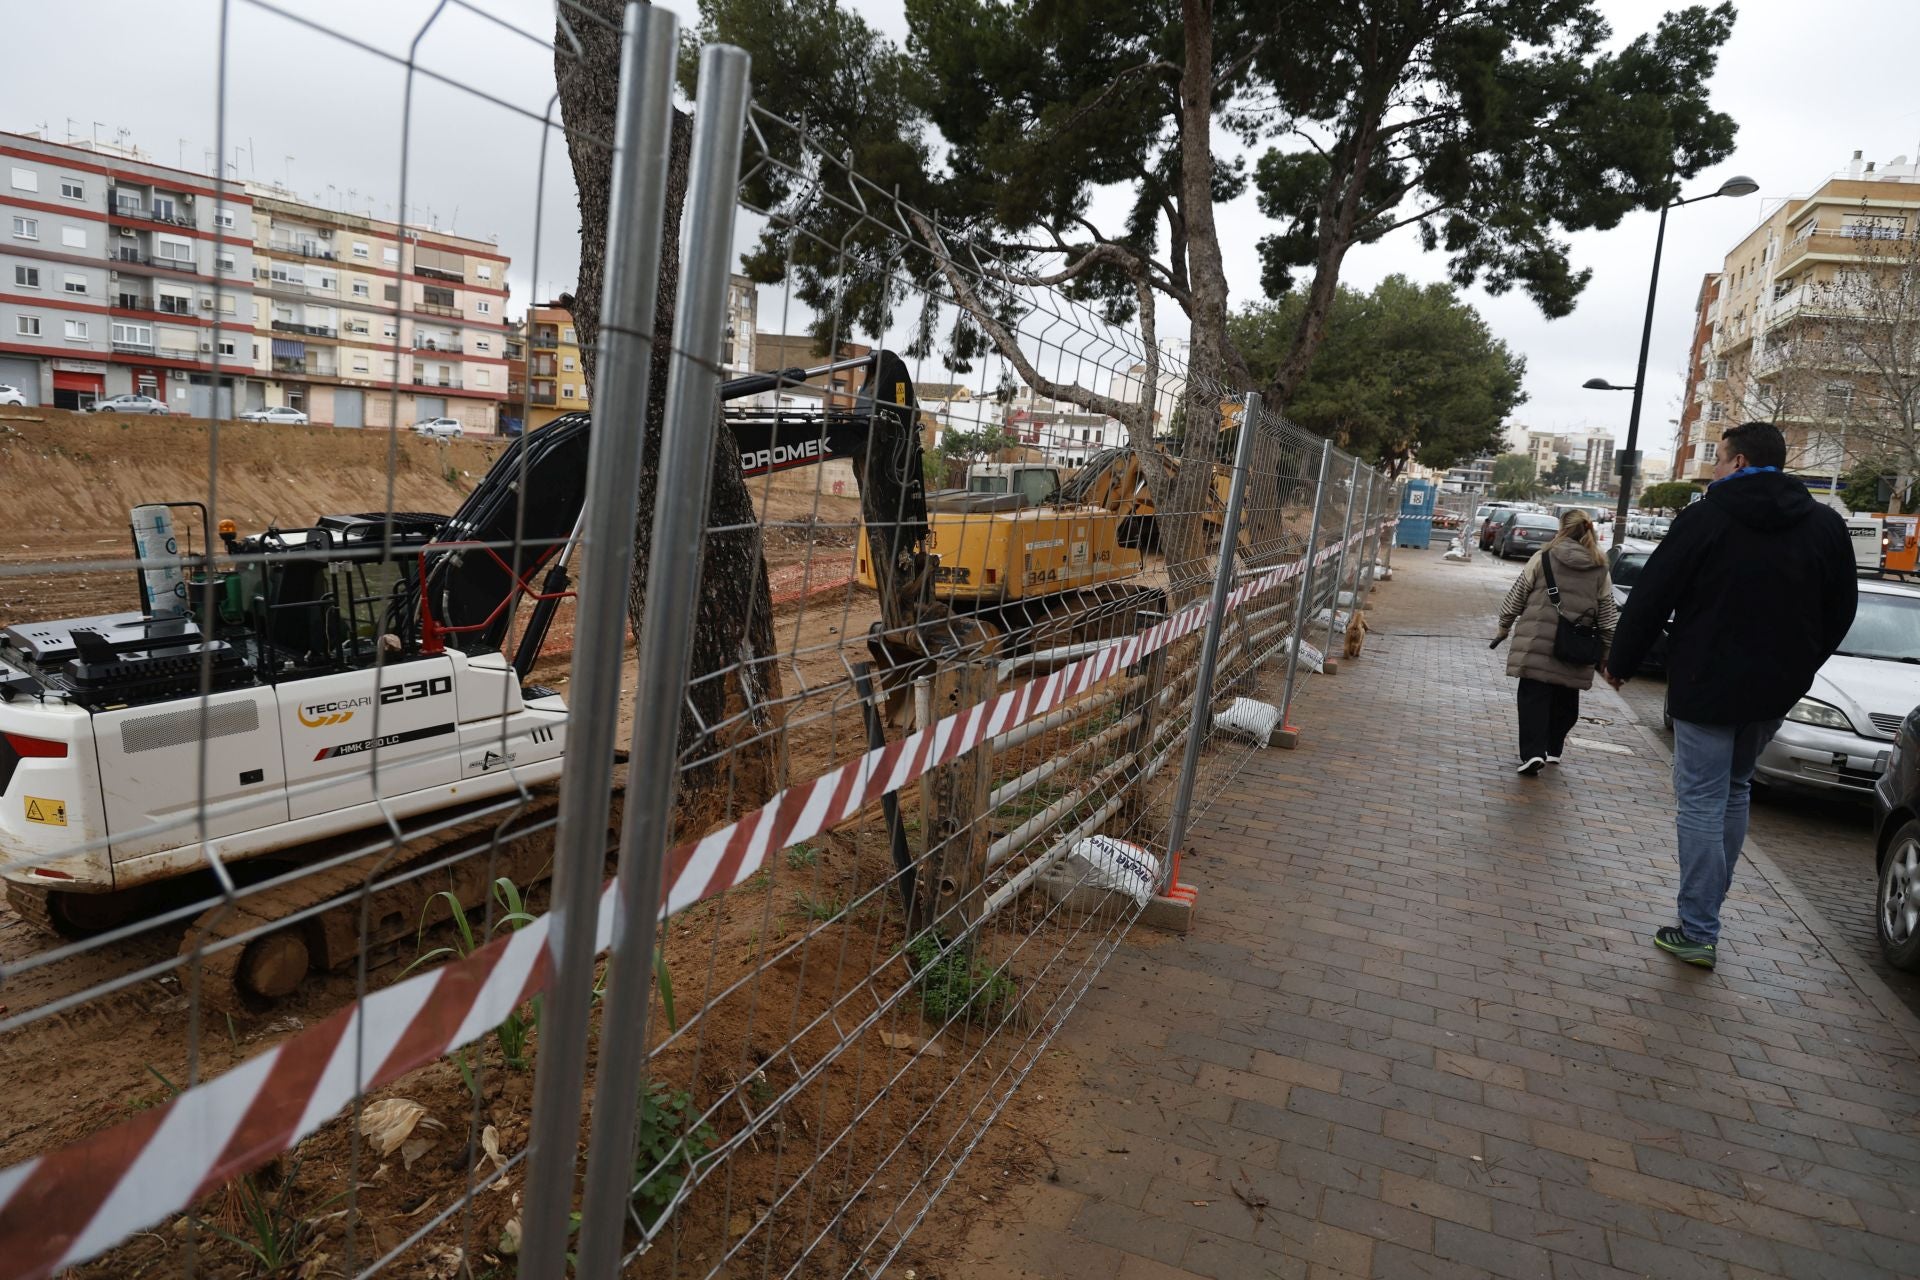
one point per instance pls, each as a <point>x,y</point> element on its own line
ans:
<point>1814,711</point>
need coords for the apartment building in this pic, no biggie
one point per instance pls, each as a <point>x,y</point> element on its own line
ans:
<point>119,275</point>
<point>556,375</point>
<point>1812,308</point>
<point>370,323</point>
<point>1694,447</point>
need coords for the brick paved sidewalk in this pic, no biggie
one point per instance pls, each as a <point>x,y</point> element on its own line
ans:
<point>1419,1031</point>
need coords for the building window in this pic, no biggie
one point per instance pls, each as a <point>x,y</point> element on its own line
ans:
<point>73,237</point>
<point>360,289</point>
<point>1716,412</point>
<point>27,326</point>
<point>25,180</point>
<point>228,347</point>
<point>483,377</point>
<point>224,219</point>
<point>324,282</point>
<point>256,353</point>
<point>484,307</point>
<point>26,228</point>
<point>164,207</point>
<point>360,365</point>
<point>76,330</point>
<point>360,251</point>
<point>170,249</point>
<point>483,273</point>
<point>26,277</point>
<point>388,329</point>
<point>224,258</point>
<point>566,391</point>
<point>566,363</point>
<point>390,292</point>
<point>132,335</point>
<point>1709,451</point>
<point>73,189</point>
<point>73,283</point>
<point>1839,399</point>
<point>390,256</point>
<point>567,336</point>
<point>434,296</point>
<point>481,344</point>
<point>386,367</point>
<point>358,327</point>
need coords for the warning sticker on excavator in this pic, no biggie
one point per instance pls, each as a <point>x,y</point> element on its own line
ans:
<point>52,813</point>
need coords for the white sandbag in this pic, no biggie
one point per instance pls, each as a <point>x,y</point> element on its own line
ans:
<point>1346,600</point>
<point>1382,572</point>
<point>1339,620</point>
<point>1311,658</point>
<point>1102,865</point>
<point>1249,719</point>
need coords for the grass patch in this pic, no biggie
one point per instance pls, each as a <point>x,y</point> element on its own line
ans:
<point>954,985</point>
<point>801,856</point>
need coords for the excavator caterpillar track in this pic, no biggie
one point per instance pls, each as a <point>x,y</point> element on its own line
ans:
<point>369,903</point>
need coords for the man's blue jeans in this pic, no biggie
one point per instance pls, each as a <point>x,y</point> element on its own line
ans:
<point>1712,785</point>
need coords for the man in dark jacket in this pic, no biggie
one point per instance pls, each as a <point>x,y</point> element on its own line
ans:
<point>1759,581</point>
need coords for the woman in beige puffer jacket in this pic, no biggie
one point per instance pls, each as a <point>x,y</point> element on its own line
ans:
<point>1549,697</point>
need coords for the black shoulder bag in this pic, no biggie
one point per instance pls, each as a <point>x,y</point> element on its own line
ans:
<point>1575,642</point>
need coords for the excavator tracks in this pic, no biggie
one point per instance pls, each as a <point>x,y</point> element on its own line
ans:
<point>379,903</point>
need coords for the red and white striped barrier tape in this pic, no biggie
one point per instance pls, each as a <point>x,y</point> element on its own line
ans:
<point>64,1207</point>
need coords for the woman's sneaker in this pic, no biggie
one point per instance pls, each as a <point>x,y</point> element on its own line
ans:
<point>1676,943</point>
<point>1552,759</point>
<point>1531,766</point>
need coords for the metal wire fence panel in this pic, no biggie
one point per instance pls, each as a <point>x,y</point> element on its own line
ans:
<point>979,599</point>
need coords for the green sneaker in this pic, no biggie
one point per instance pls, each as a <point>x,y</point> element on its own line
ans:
<point>1676,943</point>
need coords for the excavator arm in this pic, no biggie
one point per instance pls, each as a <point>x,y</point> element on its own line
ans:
<point>524,515</point>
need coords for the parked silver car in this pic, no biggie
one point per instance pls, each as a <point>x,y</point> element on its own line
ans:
<point>1838,737</point>
<point>284,414</point>
<point>129,404</point>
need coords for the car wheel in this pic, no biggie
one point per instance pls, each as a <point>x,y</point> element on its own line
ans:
<point>1897,911</point>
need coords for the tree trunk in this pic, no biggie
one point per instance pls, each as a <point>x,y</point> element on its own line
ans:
<point>1183,527</point>
<point>735,682</point>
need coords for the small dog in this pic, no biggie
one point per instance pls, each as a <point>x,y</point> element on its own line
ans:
<point>1356,633</point>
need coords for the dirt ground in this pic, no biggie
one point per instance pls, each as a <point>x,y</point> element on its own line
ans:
<point>836,1096</point>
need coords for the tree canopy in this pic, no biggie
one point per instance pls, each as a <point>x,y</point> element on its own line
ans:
<point>1514,478</point>
<point>1670,495</point>
<point>1407,372</point>
<point>1566,472</point>
<point>1493,126</point>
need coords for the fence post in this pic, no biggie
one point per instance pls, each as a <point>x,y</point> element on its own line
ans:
<point>622,374</point>
<point>1152,671</point>
<point>1370,537</point>
<point>1210,634</point>
<point>1340,565</point>
<point>666,646</point>
<point>1289,736</point>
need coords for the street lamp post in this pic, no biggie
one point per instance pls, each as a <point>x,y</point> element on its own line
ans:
<point>1738,185</point>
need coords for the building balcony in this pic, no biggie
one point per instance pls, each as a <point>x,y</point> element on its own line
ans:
<point>546,339</point>
<point>180,353</point>
<point>133,348</point>
<point>436,381</point>
<point>311,330</point>
<point>308,250</point>
<point>124,258</point>
<point>133,208</point>
<point>434,273</point>
<point>1852,244</point>
<point>543,398</point>
<point>129,302</point>
<point>435,309</point>
<point>448,343</point>
<point>310,368</point>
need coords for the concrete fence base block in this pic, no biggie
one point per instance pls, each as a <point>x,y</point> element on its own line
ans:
<point>1286,739</point>
<point>1169,915</point>
<point>1329,665</point>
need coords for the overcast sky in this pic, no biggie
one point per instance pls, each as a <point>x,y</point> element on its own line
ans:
<point>1808,84</point>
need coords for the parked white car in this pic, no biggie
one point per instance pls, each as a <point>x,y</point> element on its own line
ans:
<point>1839,736</point>
<point>279,413</point>
<point>129,404</point>
<point>11,395</point>
<point>439,428</point>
